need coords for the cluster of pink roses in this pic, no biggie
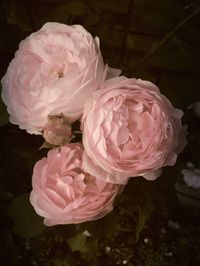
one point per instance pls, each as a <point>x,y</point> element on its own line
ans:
<point>128,127</point>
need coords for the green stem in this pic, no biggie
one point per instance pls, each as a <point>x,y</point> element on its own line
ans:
<point>166,38</point>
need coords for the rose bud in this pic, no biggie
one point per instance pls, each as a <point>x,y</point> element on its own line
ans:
<point>57,131</point>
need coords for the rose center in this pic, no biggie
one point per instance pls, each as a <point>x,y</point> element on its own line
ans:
<point>60,74</point>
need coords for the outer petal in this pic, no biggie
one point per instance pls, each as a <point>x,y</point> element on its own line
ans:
<point>95,170</point>
<point>130,129</point>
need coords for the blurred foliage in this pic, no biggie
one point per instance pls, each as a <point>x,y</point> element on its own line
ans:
<point>127,31</point>
<point>159,15</point>
<point>173,56</point>
<point>78,243</point>
<point>4,118</point>
<point>144,213</point>
<point>26,222</point>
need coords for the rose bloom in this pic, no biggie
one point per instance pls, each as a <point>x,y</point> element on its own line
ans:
<point>54,71</point>
<point>64,194</point>
<point>130,129</point>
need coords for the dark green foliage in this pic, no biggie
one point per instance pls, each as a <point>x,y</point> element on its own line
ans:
<point>128,30</point>
<point>4,118</point>
<point>27,223</point>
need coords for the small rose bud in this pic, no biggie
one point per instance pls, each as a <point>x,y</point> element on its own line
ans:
<point>57,131</point>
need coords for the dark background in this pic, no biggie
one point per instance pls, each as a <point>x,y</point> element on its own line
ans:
<point>157,40</point>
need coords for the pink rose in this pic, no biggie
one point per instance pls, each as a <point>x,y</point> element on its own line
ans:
<point>54,71</point>
<point>130,129</point>
<point>64,194</point>
<point>57,131</point>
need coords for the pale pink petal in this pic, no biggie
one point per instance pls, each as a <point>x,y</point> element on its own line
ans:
<point>69,196</point>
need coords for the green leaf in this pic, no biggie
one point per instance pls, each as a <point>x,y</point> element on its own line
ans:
<point>144,213</point>
<point>87,246</point>
<point>104,227</point>
<point>92,250</point>
<point>4,117</point>
<point>78,243</point>
<point>27,223</point>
